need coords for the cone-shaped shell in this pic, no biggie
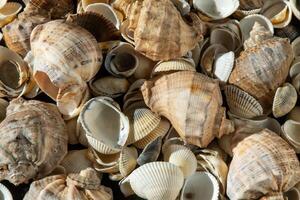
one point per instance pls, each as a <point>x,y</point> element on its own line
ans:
<point>61,68</point>
<point>34,140</point>
<point>157,180</point>
<point>184,92</point>
<point>263,164</point>
<point>151,35</point>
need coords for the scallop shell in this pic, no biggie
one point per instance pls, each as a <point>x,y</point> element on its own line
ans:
<point>285,100</point>
<point>76,160</point>
<point>177,93</point>
<point>296,47</point>
<point>156,180</point>
<point>9,12</point>
<point>63,76</point>
<point>151,152</point>
<point>241,103</point>
<point>295,8</point>
<point>263,165</point>
<point>290,131</point>
<point>95,117</point>
<point>223,66</point>
<point>202,185</point>
<point>5,193</point>
<point>258,34</point>
<point>127,161</point>
<point>35,145</point>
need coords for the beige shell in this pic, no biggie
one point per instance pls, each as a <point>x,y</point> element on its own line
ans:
<point>3,106</point>
<point>85,3</point>
<point>296,47</point>
<point>127,160</point>
<point>285,100</point>
<point>176,96</point>
<point>34,138</point>
<point>151,152</point>
<point>96,120</point>
<point>2,3</point>
<point>295,68</point>
<point>223,66</point>
<point>5,193</point>
<point>9,12</point>
<point>73,137</point>
<point>241,103</point>
<point>63,76</point>
<point>156,180</point>
<point>183,6</point>
<point>290,131</point>
<point>83,185</point>
<point>263,164</point>
<point>294,114</point>
<point>296,82</point>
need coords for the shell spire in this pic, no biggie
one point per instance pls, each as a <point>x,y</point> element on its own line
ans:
<point>258,34</point>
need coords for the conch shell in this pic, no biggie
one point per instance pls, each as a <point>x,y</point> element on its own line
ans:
<point>176,96</point>
<point>263,166</point>
<point>33,140</point>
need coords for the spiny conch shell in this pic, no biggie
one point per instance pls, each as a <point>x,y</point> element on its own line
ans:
<point>210,161</point>
<point>96,117</point>
<point>3,106</point>
<point>183,6</point>
<point>285,100</point>
<point>296,47</point>
<point>33,140</point>
<point>182,92</point>
<point>241,103</point>
<point>223,66</point>
<point>216,9</point>
<point>258,72</point>
<point>151,38</point>
<point>86,3</point>
<point>15,75</point>
<point>263,164</point>
<point>5,193</point>
<point>83,185</point>
<point>107,11</point>
<point>295,8</point>
<point>201,185</point>
<point>156,180</point>
<point>76,160</point>
<point>9,12</point>
<point>127,160</point>
<point>294,114</point>
<point>63,75</point>
<point>290,131</point>
<point>151,152</point>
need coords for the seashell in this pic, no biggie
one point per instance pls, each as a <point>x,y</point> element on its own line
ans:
<point>295,68</point>
<point>5,193</point>
<point>293,193</point>
<point>251,4</point>
<point>127,33</point>
<point>72,131</point>
<point>296,47</point>
<point>151,152</point>
<point>86,3</point>
<point>2,3</point>
<point>290,131</point>
<point>115,177</point>
<point>181,92</point>
<point>151,38</point>
<point>216,9</point>
<point>183,6</point>
<point>240,13</point>
<point>106,10</point>
<point>241,103</point>
<point>290,31</point>
<point>295,8</point>
<point>296,82</point>
<point>294,114</point>
<point>28,121</point>
<point>156,180</point>
<point>202,185</point>
<point>196,54</point>
<point>223,37</point>
<point>95,116</point>
<point>109,86</point>
<point>285,100</point>
<point>83,185</point>
<point>247,23</point>
<point>9,12</point>
<point>223,66</point>
<point>268,167</point>
<point>127,161</point>
<point>65,81</point>
<point>105,29</point>
<point>76,160</point>
<point>3,106</point>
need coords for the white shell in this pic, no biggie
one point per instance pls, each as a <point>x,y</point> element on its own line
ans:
<point>223,66</point>
<point>291,134</point>
<point>295,8</point>
<point>2,3</point>
<point>5,193</point>
<point>127,160</point>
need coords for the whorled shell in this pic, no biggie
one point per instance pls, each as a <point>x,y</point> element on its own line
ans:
<point>290,130</point>
<point>263,165</point>
<point>83,185</point>
<point>34,140</point>
<point>64,62</point>
<point>151,152</point>
<point>285,100</point>
<point>9,12</point>
<point>5,193</point>
<point>176,96</point>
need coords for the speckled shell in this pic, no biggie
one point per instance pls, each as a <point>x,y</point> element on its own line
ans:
<point>176,96</point>
<point>154,34</point>
<point>261,69</point>
<point>33,140</point>
<point>80,186</point>
<point>64,62</point>
<point>263,164</point>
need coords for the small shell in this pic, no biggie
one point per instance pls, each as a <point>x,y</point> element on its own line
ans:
<point>156,180</point>
<point>296,47</point>
<point>5,193</point>
<point>201,185</point>
<point>294,114</point>
<point>295,68</point>
<point>295,8</point>
<point>285,100</point>
<point>241,103</point>
<point>151,152</point>
<point>223,66</point>
<point>127,160</point>
<point>291,134</point>
<point>9,12</point>
<point>3,106</point>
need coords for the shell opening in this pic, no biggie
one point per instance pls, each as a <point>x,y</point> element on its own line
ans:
<point>9,74</point>
<point>45,84</point>
<point>124,61</point>
<point>292,194</point>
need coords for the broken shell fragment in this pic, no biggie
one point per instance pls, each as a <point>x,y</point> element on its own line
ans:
<point>151,152</point>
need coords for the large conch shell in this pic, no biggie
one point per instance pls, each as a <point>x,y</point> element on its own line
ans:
<point>263,166</point>
<point>79,186</point>
<point>62,68</point>
<point>176,96</point>
<point>33,140</point>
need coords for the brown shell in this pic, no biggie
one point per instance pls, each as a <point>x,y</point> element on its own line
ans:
<point>260,70</point>
<point>33,140</point>
<point>263,164</point>
<point>192,102</point>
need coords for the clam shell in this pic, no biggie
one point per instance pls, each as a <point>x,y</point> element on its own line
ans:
<point>295,8</point>
<point>295,68</point>
<point>151,152</point>
<point>86,3</point>
<point>223,66</point>
<point>290,131</point>
<point>241,103</point>
<point>127,160</point>
<point>224,37</point>
<point>76,160</point>
<point>296,47</point>
<point>202,185</point>
<point>5,193</point>
<point>105,160</point>
<point>290,31</point>
<point>95,116</point>
<point>156,180</point>
<point>285,100</point>
<point>294,114</point>
<point>9,12</point>
<point>240,14</point>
